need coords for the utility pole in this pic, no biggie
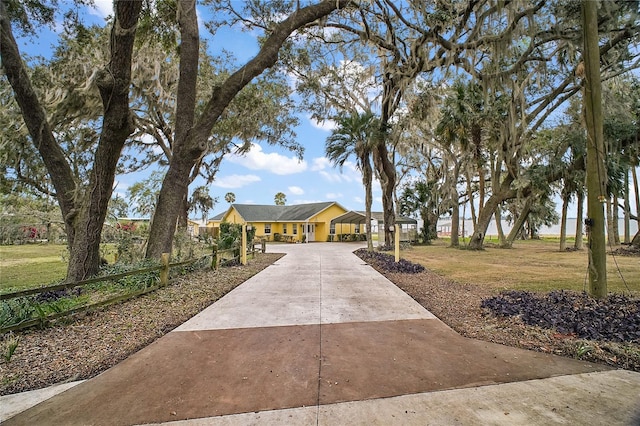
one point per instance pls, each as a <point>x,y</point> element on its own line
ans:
<point>596,172</point>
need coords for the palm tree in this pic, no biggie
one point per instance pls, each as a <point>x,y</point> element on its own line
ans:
<point>354,136</point>
<point>280,199</point>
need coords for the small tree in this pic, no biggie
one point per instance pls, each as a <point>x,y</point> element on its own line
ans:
<point>144,194</point>
<point>420,198</point>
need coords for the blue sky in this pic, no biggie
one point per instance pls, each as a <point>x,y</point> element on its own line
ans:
<point>265,170</point>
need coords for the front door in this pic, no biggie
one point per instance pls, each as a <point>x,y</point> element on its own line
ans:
<point>311,232</point>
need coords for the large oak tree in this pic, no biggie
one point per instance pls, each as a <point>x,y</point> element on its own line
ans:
<point>83,204</point>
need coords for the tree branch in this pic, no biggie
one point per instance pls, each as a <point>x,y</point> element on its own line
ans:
<point>35,117</point>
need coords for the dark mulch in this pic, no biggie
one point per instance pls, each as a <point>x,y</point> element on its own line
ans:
<point>615,318</point>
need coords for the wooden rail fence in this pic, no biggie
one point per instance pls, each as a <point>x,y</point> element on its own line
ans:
<point>219,257</point>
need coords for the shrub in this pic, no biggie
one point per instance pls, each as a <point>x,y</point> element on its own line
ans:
<point>615,318</point>
<point>231,235</point>
<point>9,345</point>
<point>388,263</point>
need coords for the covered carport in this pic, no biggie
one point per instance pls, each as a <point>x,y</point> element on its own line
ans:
<point>346,224</point>
<point>408,227</point>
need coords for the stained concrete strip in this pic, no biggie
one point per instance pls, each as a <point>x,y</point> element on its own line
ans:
<point>201,374</point>
<point>605,398</point>
<point>191,375</point>
<point>10,405</point>
<point>313,283</point>
<point>383,359</point>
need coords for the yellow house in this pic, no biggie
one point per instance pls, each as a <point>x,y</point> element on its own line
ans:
<point>302,222</point>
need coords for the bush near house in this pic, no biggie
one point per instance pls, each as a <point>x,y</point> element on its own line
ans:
<point>231,235</point>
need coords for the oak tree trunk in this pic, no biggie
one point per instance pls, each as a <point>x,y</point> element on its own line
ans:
<point>563,222</point>
<point>387,174</point>
<point>579,243</point>
<point>367,177</point>
<point>83,208</point>
<point>191,135</point>
<point>519,223</point>
<point>499,195</point>
<point>498,218</point>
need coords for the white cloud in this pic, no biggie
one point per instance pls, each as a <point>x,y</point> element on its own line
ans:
<point>333,195</point>
<point>320,163</point>
<point>120,187</point>
<point>331,177</point>
<point>235,181</point>
<point>296,190</point>
<point>278,164</point>
<point>149,140</point>
<point>358,200</point>
<point>348,174</point>
<point>326,125</point>
<point>102,8</point>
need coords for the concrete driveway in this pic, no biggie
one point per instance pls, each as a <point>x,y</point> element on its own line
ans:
<point>320,338</point>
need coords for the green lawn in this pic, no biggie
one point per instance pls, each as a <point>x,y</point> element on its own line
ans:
<point>536,265</point>
<point>30,265</point>
<point>529,265</point>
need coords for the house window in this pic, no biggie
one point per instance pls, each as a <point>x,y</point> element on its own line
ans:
<point>295,229</point>
<point>357,228</point>
<point>267,228</point>
<point>332,229</point>
<point>284,228</point>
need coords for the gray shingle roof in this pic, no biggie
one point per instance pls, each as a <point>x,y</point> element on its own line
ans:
<point>265,213</point>
<point>218,216</point>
